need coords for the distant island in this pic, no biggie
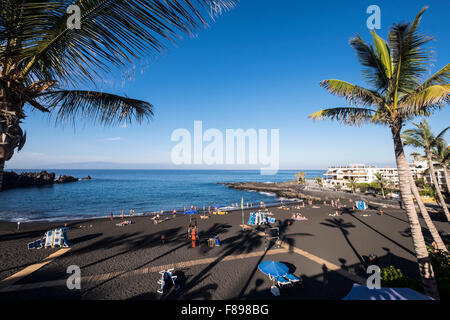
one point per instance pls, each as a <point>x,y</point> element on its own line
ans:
<point>12,180</point>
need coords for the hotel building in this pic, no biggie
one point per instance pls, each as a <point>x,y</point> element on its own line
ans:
<point>360,173</point>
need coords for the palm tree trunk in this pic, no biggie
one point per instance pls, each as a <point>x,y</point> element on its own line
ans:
<point>2,166</point>
<point>425,267</point>
<point>382,192</point>
<point>447,179</point>
<point>436,185</point>
<point>426,217</point>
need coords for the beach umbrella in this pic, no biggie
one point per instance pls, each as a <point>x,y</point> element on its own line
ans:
<point>360,292</point>
<point>191,212</point>
<point>273,268</point>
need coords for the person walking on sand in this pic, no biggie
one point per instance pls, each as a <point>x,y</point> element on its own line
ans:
<point>111,216</point>
<point>132,212</point>
<point>193,235</point>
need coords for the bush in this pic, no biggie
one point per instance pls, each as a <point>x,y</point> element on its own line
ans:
<point>363,187</point>
<point>392,277</point>
<point>420,183</point>
<point>440,260</point>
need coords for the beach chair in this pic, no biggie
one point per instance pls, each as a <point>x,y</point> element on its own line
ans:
<point>281,281</point>
<point>48,239</point>
<point>167,274</point>
<point>36,244</point>
<point>292,278</point>
<point>57,238</point>
<point>66,243</point>
<point>251,219</point>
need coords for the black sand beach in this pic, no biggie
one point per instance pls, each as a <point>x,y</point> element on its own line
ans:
<point>328,253</point>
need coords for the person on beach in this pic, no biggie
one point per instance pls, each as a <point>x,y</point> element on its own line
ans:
<point>111,216</point>
<point>193,231</point>
<point>132,212</point>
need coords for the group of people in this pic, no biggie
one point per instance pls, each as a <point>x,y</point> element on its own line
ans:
<point>298,216</point>
<point>336,203</point>
<point>111,216</point>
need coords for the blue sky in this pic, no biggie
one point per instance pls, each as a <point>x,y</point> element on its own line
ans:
<point>258,66</point>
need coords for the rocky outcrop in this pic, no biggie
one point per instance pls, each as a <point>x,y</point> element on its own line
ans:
<point>64,179</point>
<point>283,190</point>
<point>13,180</point>
<point>87,178</point>
<point>292,190</point>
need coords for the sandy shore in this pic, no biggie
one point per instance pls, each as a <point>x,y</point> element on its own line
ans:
<point>123,262</point>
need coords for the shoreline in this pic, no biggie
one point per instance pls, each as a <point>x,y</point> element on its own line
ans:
<point>142,214</point>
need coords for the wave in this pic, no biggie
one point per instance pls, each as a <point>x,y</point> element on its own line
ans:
<point>269,194</point>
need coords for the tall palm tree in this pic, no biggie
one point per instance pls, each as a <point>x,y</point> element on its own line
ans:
<point>394,71</point>
<point>441,156</point>
<point>426,217</point>
<point>352,185</point>
<point>423,210</point>
<point>45,63</point>
<point>422,137</point>
<point>382,182</point>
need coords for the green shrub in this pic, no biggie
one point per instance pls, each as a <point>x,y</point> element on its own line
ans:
<point>420,183</point>
<point>363,187</point>
<point>440,260</point>
<point>392,277</point>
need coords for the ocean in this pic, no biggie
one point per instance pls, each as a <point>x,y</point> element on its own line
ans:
<point>145,191</point>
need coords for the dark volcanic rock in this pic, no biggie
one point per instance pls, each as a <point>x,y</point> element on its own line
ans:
<point>65,179</point>
<point>86,178</point>
<point>13,180</point>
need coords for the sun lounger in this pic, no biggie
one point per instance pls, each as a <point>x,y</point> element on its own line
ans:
<point>292,278</point>
<point>52,238</point>
<point>282,281</point>
<point>167,274</point>
<point>37,244</point>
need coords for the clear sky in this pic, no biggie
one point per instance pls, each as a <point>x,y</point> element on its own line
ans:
<point>258,66</point>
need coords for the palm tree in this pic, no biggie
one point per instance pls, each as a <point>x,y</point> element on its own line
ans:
<point>441,156</point>
<point>381,181</point>
<point>423,210</point>
<point>394,72</point>
<point>44,62</point>
<point>352,185</point>
<point>422,137</point>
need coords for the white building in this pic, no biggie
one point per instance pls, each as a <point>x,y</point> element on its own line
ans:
<point>360,173</point>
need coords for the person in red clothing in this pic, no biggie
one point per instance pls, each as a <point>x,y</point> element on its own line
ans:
<point>193,229</point>
<point>111,216</point>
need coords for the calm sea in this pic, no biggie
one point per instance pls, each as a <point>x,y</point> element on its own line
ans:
<point>142,190</point>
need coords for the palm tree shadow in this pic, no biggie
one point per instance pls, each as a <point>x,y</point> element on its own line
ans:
<point>341,225</point>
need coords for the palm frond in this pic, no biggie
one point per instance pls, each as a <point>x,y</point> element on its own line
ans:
<point>383,54</point>
<point>113,33</point>
<point>345,115</point>
<point>409,55</point>
<point>373,70</point>
<point>441,77</point>
<point>425,100</point>
<point>354,94</point>
<point>101,107</point>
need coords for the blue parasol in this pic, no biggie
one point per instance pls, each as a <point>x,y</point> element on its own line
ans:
<point>191,212</point>
<point>359,292</point>
<point>273,268</point>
